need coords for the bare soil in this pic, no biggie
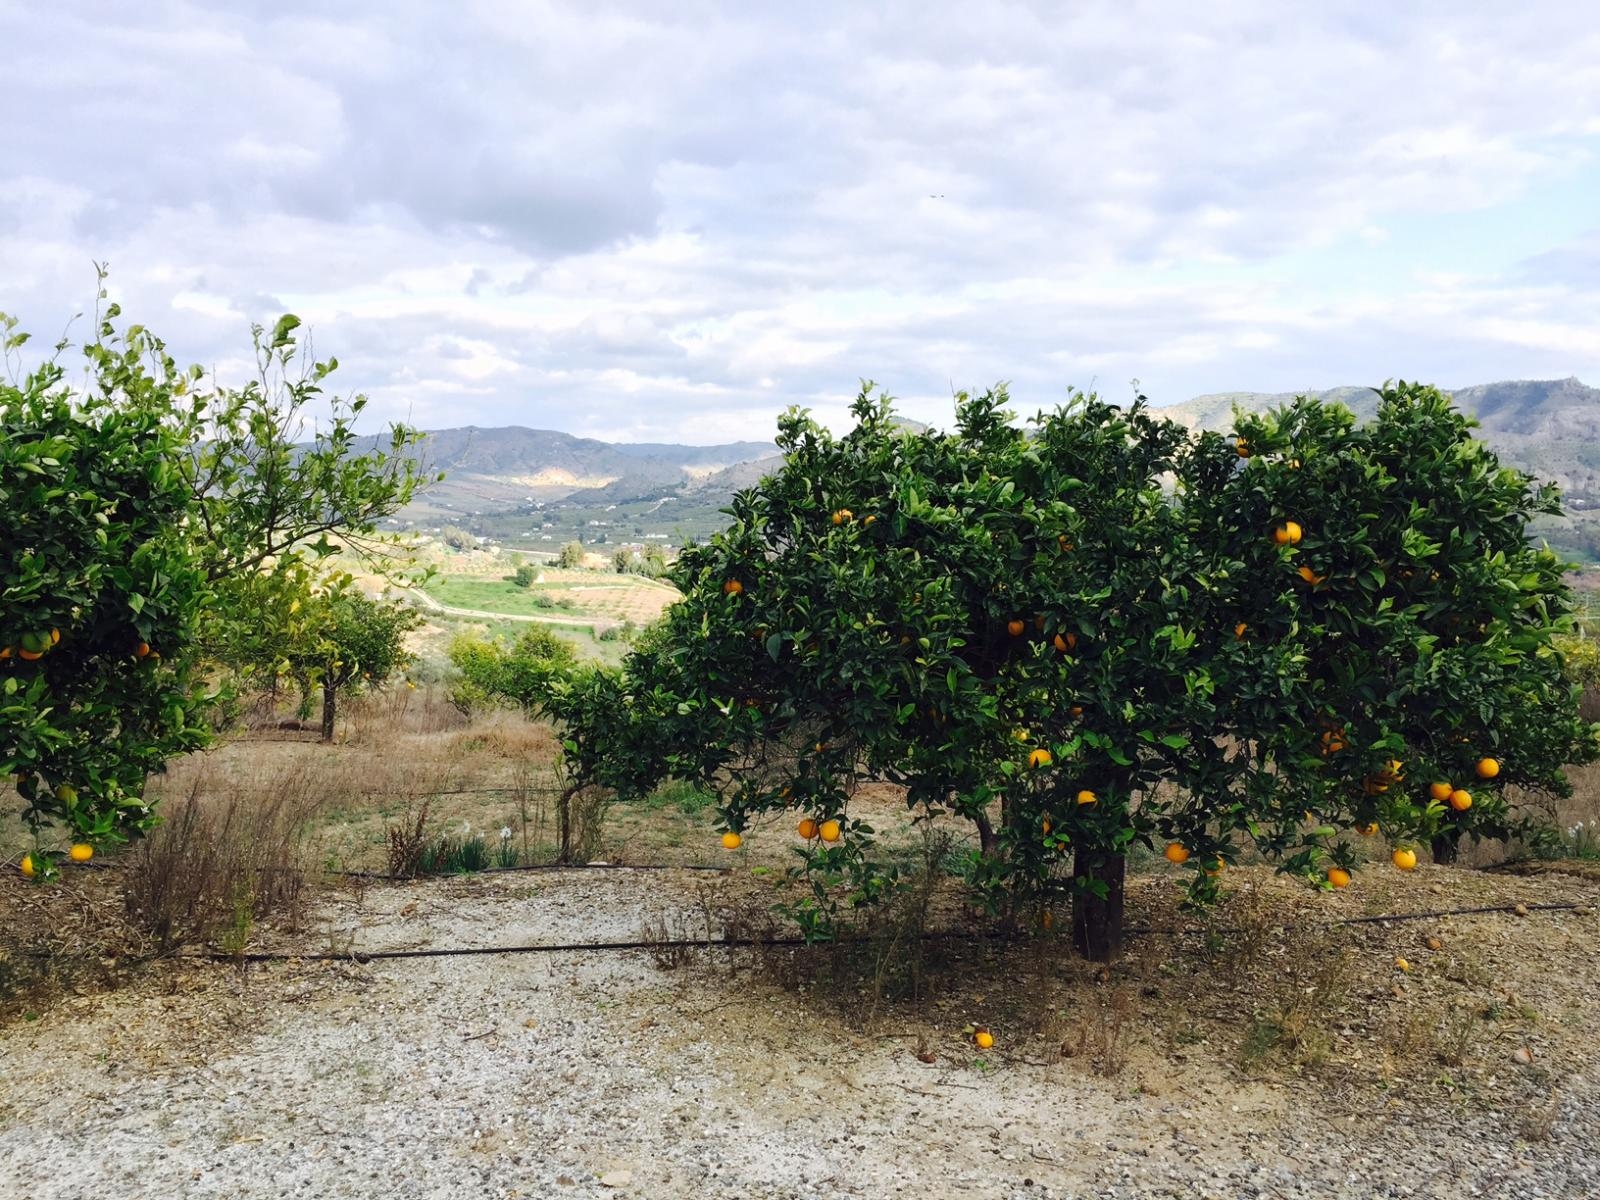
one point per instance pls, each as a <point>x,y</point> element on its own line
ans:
<point>1231,1058</point>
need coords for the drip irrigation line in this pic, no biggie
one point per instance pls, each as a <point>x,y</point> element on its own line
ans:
<point>734,942</point>
<point>527,867</point>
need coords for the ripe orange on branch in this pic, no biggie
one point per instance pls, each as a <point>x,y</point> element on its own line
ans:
<point>1487,768</point>
<point>1176,853</point>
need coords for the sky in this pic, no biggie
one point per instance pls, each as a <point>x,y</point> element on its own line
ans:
<point>651,222</point>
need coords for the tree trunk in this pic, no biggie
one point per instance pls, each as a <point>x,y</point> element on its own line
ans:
<point>328,694</point>
<point>564,825</point>
<point>987,842</point>
<point>1444,847</point>
<point>1097,920</point>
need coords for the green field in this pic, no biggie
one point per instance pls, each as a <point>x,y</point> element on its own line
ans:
<point>499,596</point>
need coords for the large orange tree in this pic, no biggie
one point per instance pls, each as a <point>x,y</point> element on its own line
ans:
<point>1103,630</point>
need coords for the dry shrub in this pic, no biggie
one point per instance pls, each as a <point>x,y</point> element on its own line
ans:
<point>1100,1037</point>
<point>220,864</point>
<point>408,843</point>
<point>1298,1021</point>
<point>377,716</point>
<point>503,733</point>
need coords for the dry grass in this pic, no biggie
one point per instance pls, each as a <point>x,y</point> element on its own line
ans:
<point>223,861</point>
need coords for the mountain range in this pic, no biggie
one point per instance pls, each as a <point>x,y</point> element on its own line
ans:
<point>497,479</point>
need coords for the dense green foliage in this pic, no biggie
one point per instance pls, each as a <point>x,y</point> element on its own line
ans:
<point>101,593</point>
<point>1087,634</point>
<point>522,674</point>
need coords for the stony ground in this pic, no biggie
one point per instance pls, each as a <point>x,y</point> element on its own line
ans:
<point>1255,1063</point>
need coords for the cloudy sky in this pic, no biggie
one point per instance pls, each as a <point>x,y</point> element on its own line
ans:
<point>650,221</point>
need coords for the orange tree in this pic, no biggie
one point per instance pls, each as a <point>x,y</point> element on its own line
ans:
<point>101,589</point>
<point>1101,631</point>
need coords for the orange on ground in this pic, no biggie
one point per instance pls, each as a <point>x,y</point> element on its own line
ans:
<point>1176,853</point>
<point>1461,799</point>
<point>1087,797</point>
<point>26,865</point>
<point>829,831</point>
<point>1406,860</point>
<point>1338,877</point>
<point>1440,791</point>
<point>807,828</point>
<point>1487,768</point>
<point>1402,965</point>
<point>81,852</point>
<point>731,840</point>
<point>984,1039</point>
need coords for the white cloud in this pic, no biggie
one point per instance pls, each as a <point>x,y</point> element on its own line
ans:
<point>672,222</point>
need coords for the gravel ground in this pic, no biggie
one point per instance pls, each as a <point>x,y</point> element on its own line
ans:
<point>590,1075</point>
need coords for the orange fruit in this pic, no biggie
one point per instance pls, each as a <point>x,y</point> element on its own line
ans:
<point>1016,628</point>
<point>5,653</point>
<point>732,588</point>
<point>1047,920</point>
<point>1405,859</point>
<point>26,865</point>
<point>1370,828</point>
<point>1287,534</point>
<point>1045,827</point>
<point>1311,576</point>
<point>1063,541</point>
<point>1239,629</point>
<point>30,655</point>
<point>1038,623</point>
<point>1065,641</point>
<point>55,637</point>
<point>81,852</point>
<point>142,650</point>
<point>1487,768</point>
<point>807,828</point>
<point>1440,791</point>
<point>1087,797</point>
<point>1461,799</point>
<point>1176,853</point>
<point>984,1039</point>
<point>1076,710</point>
<point>1040,758</point>
<point>829,831</point>
<point>1402,965</point>
<point>1338,877</point>
<point>868,519</point>
<point>1241,447</point>
<point>842,515</point>
<point>1216,868</point>
<point>731,840</point>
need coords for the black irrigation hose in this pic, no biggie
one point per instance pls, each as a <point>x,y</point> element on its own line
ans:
<point>713,943</point>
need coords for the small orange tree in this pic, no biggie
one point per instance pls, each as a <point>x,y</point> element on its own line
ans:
<point>101,589</point>
<point>1099,631</point>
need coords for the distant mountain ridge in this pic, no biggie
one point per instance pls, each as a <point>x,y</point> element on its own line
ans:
<point>1549,428</point>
